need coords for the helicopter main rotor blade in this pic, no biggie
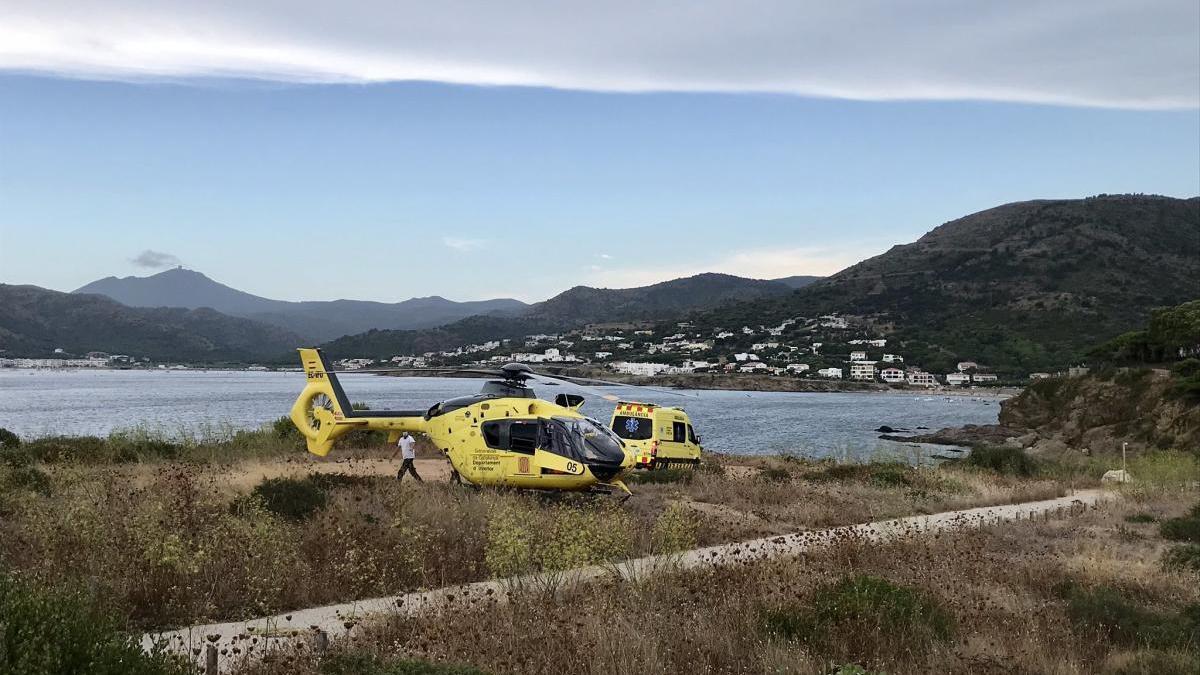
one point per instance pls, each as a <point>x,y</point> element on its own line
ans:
<point>419,371</point>
<point>581,380</point>
<point>548,379</point>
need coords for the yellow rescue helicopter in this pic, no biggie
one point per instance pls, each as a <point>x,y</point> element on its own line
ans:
<point>504,435</point>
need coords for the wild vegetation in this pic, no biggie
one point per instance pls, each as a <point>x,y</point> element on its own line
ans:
<point>166,533</point>
<point>154,533</point>
<point>1088,594</point>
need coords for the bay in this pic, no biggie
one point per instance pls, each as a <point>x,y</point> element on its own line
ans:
<point>198,403</point>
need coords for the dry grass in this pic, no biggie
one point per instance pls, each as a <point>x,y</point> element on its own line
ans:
<point>170,543</point>
<point>1000,600</point>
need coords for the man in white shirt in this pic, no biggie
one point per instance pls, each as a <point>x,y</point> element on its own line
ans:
<point>408,453</point>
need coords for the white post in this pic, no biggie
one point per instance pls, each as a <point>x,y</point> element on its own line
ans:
<point>1124,473</point>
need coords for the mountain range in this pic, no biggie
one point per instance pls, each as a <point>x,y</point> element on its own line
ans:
<point>36,321</point>
<point>315,321</point>
<point>1023,286</point>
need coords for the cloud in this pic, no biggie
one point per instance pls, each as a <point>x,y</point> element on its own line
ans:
<point>1113,53</point>
<point>462,244</point>
<point>772,263</point>
<point>154,259</point>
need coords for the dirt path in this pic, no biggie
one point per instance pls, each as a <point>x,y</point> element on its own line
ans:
<point>295,630</point>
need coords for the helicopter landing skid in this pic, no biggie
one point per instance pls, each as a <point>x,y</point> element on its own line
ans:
<point>613,488</point>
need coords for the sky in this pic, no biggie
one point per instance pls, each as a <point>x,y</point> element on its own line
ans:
<point>383,150</point>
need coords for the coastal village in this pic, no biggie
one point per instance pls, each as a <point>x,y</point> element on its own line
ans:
<point>829,347</point>
<point>825,348</point>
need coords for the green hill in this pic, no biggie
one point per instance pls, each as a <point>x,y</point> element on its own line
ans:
<point>573,308</point>
<point>1020,287</point>
<point>35,321</point>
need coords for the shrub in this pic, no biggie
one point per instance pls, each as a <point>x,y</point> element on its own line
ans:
<point>1185,557</point>
<point>137,445</point>
<point>1002,459</point>
<point>15,456</point>
<point>1186,385</point>
<point>509,540</point>
<point>880,474</point>
<point>299,498</point>
<point>8,439</point>
<point>674,530</point>
<point>30,478</point>
<point>362,663</point>
<point>1185,528</point>
<point>1140,518</point>
<point>711,465</point>
<point>1165,468</point>
<point>284,429</point>
<point>1106,610</point>
<point>51,632</point>
<point>842,612</point>
<point>574,535</point>
<point>66,448</point>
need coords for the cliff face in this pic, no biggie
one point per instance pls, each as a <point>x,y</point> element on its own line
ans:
<point>1100,411</point>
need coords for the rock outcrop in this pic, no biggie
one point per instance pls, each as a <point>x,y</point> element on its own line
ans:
<point>1097,413</point>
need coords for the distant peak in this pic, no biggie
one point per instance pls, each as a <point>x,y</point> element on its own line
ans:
<point>180,271</point>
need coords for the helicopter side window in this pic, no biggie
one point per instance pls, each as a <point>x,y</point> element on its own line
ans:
<point>512,435</point>
<point>494,435</point>
<point>523,437</point>
<point>678,432</point>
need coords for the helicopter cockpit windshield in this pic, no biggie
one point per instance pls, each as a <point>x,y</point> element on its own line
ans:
<point>584,439</point>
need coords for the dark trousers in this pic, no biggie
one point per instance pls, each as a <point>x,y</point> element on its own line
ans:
<point>407,465</point>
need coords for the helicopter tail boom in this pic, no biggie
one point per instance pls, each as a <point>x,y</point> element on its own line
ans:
<point>323,413</point>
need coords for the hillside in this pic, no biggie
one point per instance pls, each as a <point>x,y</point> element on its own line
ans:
<point>314,320</point>
<point>573,308</point>
<point>798,281</point>
<point>1020,287</point>
<point>34,321</point>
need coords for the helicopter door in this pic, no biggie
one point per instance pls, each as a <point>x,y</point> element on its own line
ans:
<point>517,439</point>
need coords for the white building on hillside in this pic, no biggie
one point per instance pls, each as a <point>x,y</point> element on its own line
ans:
<point>862,370</point>
<point>797,367</point>
<point>964,366</point>
<point>830,373</point>
<point>983,377</point>
<point>957,379</point>
<point>639,368</point>
<point>745,357</point>
<point>919,378</point>
<point>893,358</point>
<point>858,356</point>
<point>892,375</point>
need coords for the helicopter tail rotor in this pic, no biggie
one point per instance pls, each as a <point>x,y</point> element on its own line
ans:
<point>319,408</point>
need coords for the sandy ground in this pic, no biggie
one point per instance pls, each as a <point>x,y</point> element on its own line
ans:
<point>245,476</point>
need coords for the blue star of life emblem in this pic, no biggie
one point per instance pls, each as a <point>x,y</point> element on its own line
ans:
<point>631,425</point>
